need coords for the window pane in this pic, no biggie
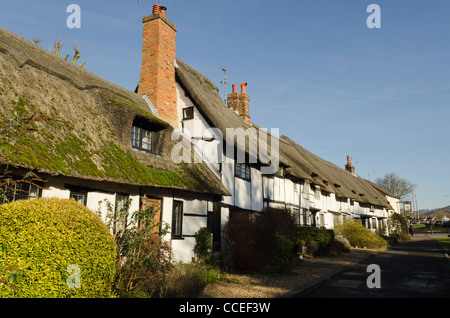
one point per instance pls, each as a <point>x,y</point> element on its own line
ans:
<point>296,213</point>
<point>188,113</point>
<point>146,140</point>
<point>142,139</point>
<point>242,171</point>
<point>121,201</point>
<point>21,191</point>
<point>304,217</point>
<point>120,213</point>
<point>79,197</point>
<point>34,192</point>
<point>209,221</point>
<point>135,136</point>
<point>177,219</point>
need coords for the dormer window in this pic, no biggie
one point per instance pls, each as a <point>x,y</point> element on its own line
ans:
<point>145,135</point>
<point>142,139</point>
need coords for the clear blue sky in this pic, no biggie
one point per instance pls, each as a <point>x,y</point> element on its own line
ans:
<point>314,70</point>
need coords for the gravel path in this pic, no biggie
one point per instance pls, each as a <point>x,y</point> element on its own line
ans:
<point>304,272</point>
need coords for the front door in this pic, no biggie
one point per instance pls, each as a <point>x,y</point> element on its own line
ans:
<point>156,204</point>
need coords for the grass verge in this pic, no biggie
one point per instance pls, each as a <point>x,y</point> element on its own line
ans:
<point>444,242</point>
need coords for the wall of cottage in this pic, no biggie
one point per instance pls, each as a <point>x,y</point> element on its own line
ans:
<point>195,207</point>
<point>195,216</point>
<point>96,193</point>
<point>395,203</point>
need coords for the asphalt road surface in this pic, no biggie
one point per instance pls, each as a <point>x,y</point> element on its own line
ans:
<point>418,268</point>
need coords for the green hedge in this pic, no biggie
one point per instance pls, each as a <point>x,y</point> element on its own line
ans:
<point>280,261</point>
<point>310,234</point>
<point>41,239</point>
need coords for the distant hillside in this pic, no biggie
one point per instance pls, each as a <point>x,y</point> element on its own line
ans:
<point>429,212</point>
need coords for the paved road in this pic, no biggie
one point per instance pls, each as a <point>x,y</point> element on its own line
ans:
<point>418,268</point>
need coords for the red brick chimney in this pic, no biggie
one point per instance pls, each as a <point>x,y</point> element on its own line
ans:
<point>349,166</point>
<point>240,102</point>
<point>157,79</point>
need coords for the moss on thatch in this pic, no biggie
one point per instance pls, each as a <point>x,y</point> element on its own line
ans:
<point>85,123</point>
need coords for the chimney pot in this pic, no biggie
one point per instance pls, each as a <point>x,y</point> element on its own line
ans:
<point>156,8</point>
<point>163,11</point>
<point>243,87</point>
<point>234,88</point>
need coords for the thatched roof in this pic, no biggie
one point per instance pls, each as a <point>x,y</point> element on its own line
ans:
<point>206,97</point>
<point>77,124</point>
<point>330,177</point>
<point>299,163</point>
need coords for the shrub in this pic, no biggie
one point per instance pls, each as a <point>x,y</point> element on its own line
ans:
<point>311,234</point>
<point>398,227</point>
<point>341,239</point>
<point>187,280</point>
<point>243,239</point>
<point>251,239</point>
<point>396,238</point>
<point>359,236</point>
<point>203,243</point>
<point>339,245</point>
<point>40,239</point>
<point>279,221</point>
<point>282,257</point>
<point>143,257</point>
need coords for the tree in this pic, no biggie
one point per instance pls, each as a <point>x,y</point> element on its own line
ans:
<point>395,184</point>
<point>439,215</point>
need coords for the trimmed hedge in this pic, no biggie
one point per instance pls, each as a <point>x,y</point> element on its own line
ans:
<point>40,239</point>
<point>310,234</point>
